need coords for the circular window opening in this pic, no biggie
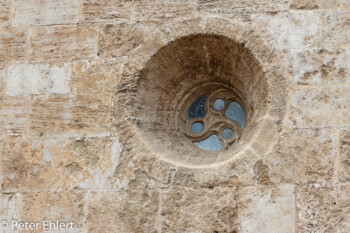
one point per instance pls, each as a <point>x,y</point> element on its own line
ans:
<point>199,100</point>
<point>214,120</point>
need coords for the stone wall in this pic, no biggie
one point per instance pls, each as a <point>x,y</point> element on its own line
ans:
<point>69,152</point>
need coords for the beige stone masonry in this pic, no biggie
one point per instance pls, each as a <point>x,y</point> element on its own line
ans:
<point>90,92</point>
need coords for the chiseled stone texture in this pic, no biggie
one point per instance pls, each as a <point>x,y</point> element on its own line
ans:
<point>267,209</point>
<point>65,206</point>
<point>346,3</point>
<point>13,45</point>
<point>69,115</point>
<point>49,43</point>
<point>335,28</point>
<point>318,66</point>
<point>43,78</point>
<point>323,208</point>
<point>106,10</point>
<point>314,4</point>
<point>302,155</point>
<point>13,116</point>
<point>344,156</point>
<point>243,6</point>
<point>95,75</point>
<point>87,163</point>
<point>320,107</point>
<point>4,13</point>
<point>183,210</point>
<point>47,12</point>
<point>116,10</point>
<point>123,211</point>
<point>70,152</point>
<point>291,30</point>
<point>120,39</point>
<point>2,80</point>
<point>162,9</point>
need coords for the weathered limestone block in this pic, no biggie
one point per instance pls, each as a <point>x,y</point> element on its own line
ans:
<point>91,163</point>
<point>163,9</point>
<point>96,75</point>
<point>323,208</point>
<point>145,10</point>
<point>250,6</point>
<point>343,207</point>
<point>314,4</point>
<point>320,107</point>
<point>42,78</point>
<point>123,211</point>
<point>71,116</point>
<point>346,3</point>
<point>54,43</point>
<point>266,209</point>
<point>2,80</point>
<point>290,30</point>
<point>336,28</point>
<point>13,45</point>
<point>27,166</point>
<point>117,40</point>
<point>65,206</point>
<point>32,166</point>
<point>106,10</point>
<point>302,155</point>
<point>36,12</point>
<point>232,174</point>
<point>4,13</point>
<point>13,116</point>
<point>319,66</point>
<point>344,156</point>
<point>183,210</point>
<point>10,205</point>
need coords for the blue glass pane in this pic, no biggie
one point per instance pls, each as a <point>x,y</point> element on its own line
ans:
<point>212,143</point>
<point>235,112</point>
<point>197,127</point>
<point>219,104</point>
<point>227,133</point>
<point>197,109</point>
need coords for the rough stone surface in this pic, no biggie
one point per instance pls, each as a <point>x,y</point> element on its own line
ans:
<point>318,66</point>
<point>13,116</point>
<point>335,29</point>
<point>123,211</point>
<point>322,208</point>
<point>344,156</point>
<point>320,107</point>
<point>90,97</point>
<point>24,80</point>
<point>241,6</point>
<point>13,45</point>
<point>69,115</point>
<point>303,155</point>
<point>2,80</point>
<point>291,30</point>
<point>180,213</point>
<point>87,163</point>
<point>267,209</point>
<point>48,12</point>
<point>314,4</point>
<point>62,43</point>
<point>4,13</point>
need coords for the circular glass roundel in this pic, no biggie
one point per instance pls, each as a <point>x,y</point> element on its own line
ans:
<point>222,116</point>
<point>197,127</point>
<point>219,104</point>
<point>227,133</point>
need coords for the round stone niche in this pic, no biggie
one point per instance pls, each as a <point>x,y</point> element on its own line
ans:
<point>199,100</point>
